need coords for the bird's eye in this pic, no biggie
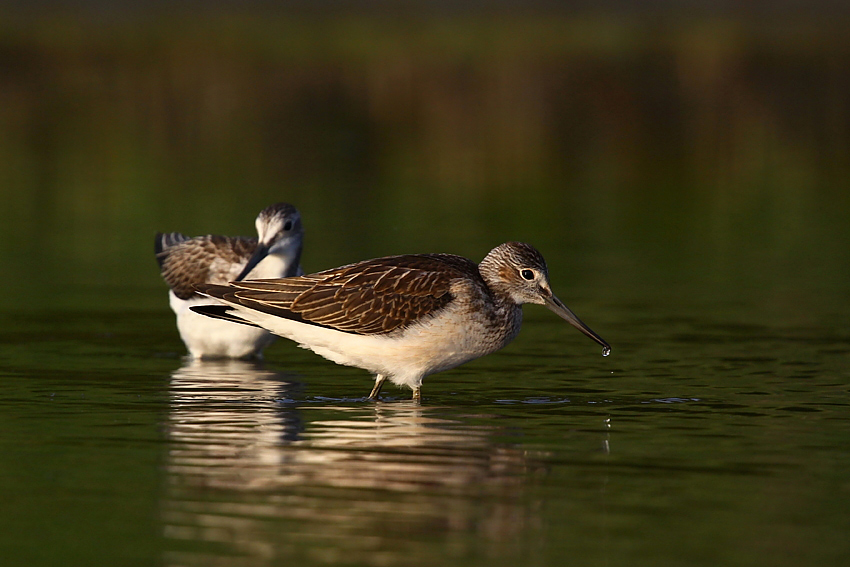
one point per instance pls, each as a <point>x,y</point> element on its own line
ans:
<point>527,274</point>
<point>288,225</point>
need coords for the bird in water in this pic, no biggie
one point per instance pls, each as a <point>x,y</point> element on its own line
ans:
<point>400,317</point>
<point>189,262</point>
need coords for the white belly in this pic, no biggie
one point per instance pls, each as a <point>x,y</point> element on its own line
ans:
<point>206,337</point>
<point>441,344</point>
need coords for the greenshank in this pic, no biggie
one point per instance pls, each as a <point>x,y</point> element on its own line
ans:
<point>400,317</point>
<point>188,262</point>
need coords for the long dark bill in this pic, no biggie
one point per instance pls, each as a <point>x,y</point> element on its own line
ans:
<point>261,252</point>
<point>555,304</point>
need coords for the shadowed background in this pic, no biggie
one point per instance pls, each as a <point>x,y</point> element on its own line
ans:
<point>691,154</point>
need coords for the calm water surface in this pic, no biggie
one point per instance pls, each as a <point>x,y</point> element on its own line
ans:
<point>695,442</point>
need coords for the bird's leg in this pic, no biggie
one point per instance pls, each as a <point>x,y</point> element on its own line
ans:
<point>417,394</point>
<point>379,381</point>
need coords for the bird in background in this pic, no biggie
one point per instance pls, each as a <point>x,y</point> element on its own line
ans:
<point>186,263</point>
<point>400,317</point>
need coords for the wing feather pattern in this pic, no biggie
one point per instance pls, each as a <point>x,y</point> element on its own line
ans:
<point>371,297</point>
<point>188,262</point>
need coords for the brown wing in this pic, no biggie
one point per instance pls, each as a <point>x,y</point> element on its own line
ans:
<point>188,262</point>
<point>371,297</point>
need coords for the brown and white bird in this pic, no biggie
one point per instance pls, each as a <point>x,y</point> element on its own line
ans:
<point>189,262</point>
<point>400,317</point>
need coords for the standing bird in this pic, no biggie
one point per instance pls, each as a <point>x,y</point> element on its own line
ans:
<point>400,317</point>
<point>186,263</point>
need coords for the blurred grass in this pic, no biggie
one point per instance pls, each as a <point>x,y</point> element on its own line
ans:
<point>675,155</point>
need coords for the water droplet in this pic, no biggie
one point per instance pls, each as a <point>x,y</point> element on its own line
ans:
<point>606,351</point>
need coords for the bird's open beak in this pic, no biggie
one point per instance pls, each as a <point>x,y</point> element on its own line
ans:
<point>555,304</point>
<point>261,252</point>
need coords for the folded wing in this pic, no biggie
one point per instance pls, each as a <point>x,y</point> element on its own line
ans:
<point>371,297</point>
<point>188,262</point>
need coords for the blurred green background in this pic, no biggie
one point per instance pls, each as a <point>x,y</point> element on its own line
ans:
<point>649,153</point>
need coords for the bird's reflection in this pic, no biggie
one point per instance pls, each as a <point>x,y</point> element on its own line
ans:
<point>227,421</point>
<point>256,474</point>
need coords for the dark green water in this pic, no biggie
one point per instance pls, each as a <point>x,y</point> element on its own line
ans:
<point>686,181</point>
<point>696,440</point>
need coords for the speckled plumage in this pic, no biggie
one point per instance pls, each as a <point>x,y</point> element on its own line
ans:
<point>400,317</point>
<point>188,262</point>
<point>372,297</point>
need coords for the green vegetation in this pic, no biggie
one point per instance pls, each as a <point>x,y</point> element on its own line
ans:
<point>711,150</point>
